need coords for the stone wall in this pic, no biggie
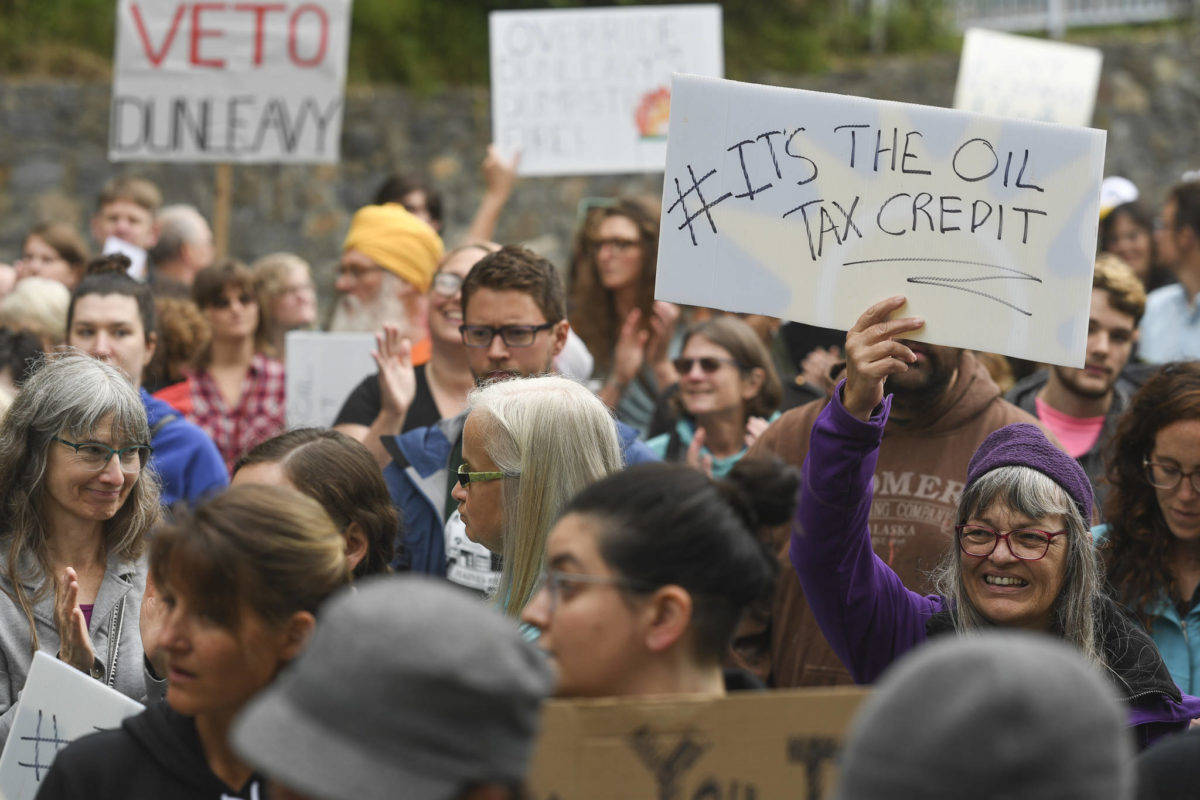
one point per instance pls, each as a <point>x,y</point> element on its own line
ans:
<point>53,161</point>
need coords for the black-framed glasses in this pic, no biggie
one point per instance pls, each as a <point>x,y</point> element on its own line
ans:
<point>555,582</point>
<point>513,335</point>
<point>447,283</point>
<point>708,364</point>
<point>96,455</point>
<point>622,246</point>
<point>1027,544</point>
<point>466,478</point>
<point>1169,476</point>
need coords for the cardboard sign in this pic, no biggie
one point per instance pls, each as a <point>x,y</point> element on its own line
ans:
<point>585,91</point>
<point>248,82</point>
<point>745,746</point>
<point>811,207</point>
<point>322,369</point>
<point>1018,76</point>
<point>58,705</point>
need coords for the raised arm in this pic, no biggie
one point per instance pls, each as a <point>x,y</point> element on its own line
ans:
<point>867,615</point>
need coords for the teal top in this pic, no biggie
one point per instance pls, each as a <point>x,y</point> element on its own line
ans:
<point>1177,639</point>
<point>685,429</point>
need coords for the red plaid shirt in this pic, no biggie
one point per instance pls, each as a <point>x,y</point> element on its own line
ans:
<point>259,414</point>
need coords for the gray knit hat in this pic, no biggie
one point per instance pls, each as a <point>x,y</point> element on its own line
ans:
<point>990,716</point>
<point>409,688</point>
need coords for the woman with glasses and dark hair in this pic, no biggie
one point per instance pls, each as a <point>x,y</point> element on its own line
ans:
<point>647,573</point>
<point>407,392</point>
<point>1021,556</point>
<point>728,394</point>
<point>613,310</point>
<point>1151,543</point>
<point>76,502</point>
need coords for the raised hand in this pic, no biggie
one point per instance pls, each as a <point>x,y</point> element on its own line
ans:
<point>696,459</point>
<point>397,379</point>
<point>754,429</point>
<point>817,365</point>
<point>153,613</point>
<point>630,352</point>
<point>872,354</point>
<point>75,645</point>
<point>499,174</point>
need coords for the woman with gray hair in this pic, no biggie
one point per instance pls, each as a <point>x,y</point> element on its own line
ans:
<point>529,445</point>
<point>1022,555</point>
<point>76,502</point>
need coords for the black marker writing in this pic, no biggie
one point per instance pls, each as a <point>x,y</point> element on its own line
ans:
<point>666,767</point>
<point>813,752</point>
<point>750,190</point>
<point>853,140</point>
<point>787,148</point>
<point>705,205</point>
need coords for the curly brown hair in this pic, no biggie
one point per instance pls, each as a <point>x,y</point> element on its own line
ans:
<point>183,332</point>
<point>593,312</point>
<point>1138,551</point>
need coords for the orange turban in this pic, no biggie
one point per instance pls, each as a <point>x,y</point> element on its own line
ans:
<point>397,241</point>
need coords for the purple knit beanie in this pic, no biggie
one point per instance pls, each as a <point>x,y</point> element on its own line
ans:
<point>1024,445</point>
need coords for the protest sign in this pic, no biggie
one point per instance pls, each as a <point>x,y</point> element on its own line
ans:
<point>229,82</point>
<point>322,369</point>
<point>746,746</point>
<point>1018,76</point>
<point>58,705</point>
<point>811,207</point>
<point>585,91</point>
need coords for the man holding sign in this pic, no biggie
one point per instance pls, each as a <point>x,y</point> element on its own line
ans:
<point>789,203</point>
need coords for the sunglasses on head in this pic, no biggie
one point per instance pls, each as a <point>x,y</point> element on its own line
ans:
<point>708,364</point>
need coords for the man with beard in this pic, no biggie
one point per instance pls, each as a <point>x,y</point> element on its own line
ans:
<point>943,407</point>
<point>387,265</point>
<point>514,324</point>
<point>1082,406</point>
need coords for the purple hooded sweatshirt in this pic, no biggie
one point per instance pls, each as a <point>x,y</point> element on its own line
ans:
<point>869,618</point>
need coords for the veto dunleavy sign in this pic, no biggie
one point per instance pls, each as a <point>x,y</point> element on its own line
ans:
<point>229,82</point>
<point>811,206</point>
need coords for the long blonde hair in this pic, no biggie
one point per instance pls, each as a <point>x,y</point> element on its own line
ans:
<point>558,437</point>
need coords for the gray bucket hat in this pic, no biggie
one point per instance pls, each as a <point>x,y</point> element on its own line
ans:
<point>409,688</point>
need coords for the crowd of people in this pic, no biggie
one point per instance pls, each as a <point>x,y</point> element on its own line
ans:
<point>554,485</point>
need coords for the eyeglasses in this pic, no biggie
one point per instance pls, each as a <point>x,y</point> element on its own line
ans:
<point>1169,476</point>
<point>513,335</point>
<point>447,283</point>
<point>554,582</point>
<point>224,300</point>
<point>708,364</point>
<point>466,478</point>
<point>622,246</point>
<point>95,456</point>
<point>1027,544</point>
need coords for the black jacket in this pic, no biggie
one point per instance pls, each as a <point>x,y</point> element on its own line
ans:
<point>1025,393</point>
<point>153,755</point>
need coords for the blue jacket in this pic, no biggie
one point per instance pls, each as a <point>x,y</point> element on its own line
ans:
<point>417,478</point>
<point>1177,639</point>
<point>186,460</point>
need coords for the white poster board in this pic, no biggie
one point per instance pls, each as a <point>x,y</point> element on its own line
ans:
<point>1019,76</point>
<point>811,207</point>
<point>58,705</point>
<point>587,91</point>
<point>322,369</point>
<point>240,82</point>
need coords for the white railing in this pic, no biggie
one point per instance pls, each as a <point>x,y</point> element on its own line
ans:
<point>1055,16</point>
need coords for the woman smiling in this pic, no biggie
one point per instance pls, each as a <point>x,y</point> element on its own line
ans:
<point>1021,558</point>
<point>76,503</point>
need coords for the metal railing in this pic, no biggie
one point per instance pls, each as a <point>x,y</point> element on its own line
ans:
<point>1055,16</point>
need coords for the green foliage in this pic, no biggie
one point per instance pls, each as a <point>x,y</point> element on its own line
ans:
<point>432,43</point>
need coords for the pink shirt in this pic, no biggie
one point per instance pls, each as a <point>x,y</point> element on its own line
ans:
<point>1077,434</point>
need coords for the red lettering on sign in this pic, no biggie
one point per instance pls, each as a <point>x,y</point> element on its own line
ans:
<point>324,45</point>
<point>199,33</point>
<point>260,11</point>
<point>157,58</point>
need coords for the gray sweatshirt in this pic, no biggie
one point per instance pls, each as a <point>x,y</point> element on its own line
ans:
<point>119,657</point>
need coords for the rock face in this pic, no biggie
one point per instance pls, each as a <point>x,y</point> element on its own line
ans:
<point>53,152</point>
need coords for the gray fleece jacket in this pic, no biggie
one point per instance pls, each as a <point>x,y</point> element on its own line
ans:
<point>116,636</point>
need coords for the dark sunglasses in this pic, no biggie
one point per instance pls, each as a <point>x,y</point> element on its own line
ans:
<point>224,302</point>
<point>708,364</point>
